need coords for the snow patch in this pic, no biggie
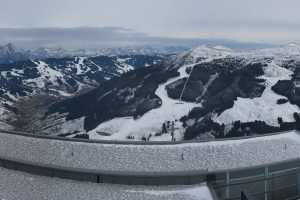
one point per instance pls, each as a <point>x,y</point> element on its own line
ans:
<point>47,75</point>
<point>79,66</point>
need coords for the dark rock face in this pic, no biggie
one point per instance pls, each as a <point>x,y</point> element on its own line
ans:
<point>132,94</point>
<point>282,101</point>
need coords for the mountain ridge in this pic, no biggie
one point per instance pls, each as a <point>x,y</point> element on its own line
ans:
<point>219,78</point>
<point>32,81</point>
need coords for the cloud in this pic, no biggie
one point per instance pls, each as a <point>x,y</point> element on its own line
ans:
<point>176,18</point>
<point>70,37</point>
<point>92,37</point>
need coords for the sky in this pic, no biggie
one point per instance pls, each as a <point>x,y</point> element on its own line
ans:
<point>272,21</point>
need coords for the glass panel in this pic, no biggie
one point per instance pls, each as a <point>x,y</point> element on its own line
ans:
<point>250,188</point>
<point>247,174</point>
<point>284,166</point>
<point>284,186</point>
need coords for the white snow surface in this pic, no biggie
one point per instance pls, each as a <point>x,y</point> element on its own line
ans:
<point>205,51</point>
<point>79,66</point>
<point>264,108</point>
<point>124,68</point>
<point>47,74</point>
<point>279,53</point>
<point>15,185</point>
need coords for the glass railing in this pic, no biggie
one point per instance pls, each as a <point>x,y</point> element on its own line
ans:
<point>272,182</point>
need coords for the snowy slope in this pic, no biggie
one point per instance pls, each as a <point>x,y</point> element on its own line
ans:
<point>151,122</point>
<point>264,108</point>
<point>47,75</point>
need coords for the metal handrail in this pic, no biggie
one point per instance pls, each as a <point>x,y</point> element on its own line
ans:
<point>270,191</point>
<point>27,134</point>
<point>270,177</point>
<point>191,172</point>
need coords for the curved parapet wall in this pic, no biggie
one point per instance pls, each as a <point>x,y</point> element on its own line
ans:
<point>181,159</point>
<point>23,186</point>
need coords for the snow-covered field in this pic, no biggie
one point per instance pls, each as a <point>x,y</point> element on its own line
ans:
<point>16,185</point>
<point>264,108</point>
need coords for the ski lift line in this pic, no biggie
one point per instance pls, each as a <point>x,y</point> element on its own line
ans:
<point>185,84</point>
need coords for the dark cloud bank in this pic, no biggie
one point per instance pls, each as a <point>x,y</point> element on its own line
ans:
<point>90,37</point>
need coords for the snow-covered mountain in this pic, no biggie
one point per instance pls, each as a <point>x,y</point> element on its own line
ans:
<point>208,92</point>
<point>9,53</point>
<point>53,79</point>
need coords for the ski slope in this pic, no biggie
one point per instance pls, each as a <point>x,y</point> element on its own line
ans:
<point>151,122</point>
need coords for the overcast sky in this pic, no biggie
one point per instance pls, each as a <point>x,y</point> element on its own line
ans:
<point>246,20</point>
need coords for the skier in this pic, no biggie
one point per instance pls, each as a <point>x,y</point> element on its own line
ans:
<point>172,131</point>
<point>164,128</point>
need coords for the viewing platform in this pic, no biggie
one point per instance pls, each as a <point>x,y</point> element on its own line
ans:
<point>222,164</point>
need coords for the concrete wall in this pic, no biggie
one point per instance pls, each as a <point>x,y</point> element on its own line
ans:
<point>156,160</point>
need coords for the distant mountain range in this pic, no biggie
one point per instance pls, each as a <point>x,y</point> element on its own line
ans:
<point>206,93</point>
<point>9,53</point>
<point>106,38</point>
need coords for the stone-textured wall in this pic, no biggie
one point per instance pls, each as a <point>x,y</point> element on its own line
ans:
<point>143,160</point>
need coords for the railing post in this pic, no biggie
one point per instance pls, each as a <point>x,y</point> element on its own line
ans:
<point>266,182</point>
<point>227,195</point>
